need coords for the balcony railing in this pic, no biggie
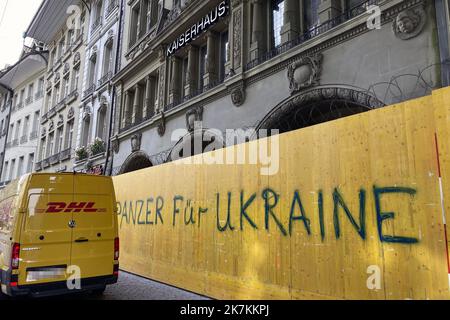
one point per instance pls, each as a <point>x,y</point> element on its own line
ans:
<point>65,154</point>
<point>15,142</point>
<point>113,5</point>
<point>51,113</point>
<point>54,159</point>
<point>61,104</point>
<point>104,79</point>
<point>18,106</point>
<point>44,118</point>
<point>23,139</point>
<point>194,94</point>
<point>312,33</point>
<point>73,95</point>
<point>96,24</point>
<point>89,91</point>
<point>38,166</point>
<point>46,163</point>
<point>34,135</point>
<point>28,100</point>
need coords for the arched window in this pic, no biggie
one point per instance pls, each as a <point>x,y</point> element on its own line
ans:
<point>101,122</point>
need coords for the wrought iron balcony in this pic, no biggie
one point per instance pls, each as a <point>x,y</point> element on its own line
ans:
<point>65,154</point>
<point>96,24</point>
<point>72,96</point>
<point>312,33</point>
<point>44,118</point>
<point>28,100</point>
<point>54,159</point>
<point>89,91</point>
<point>38,166</point>
<point>46,163</point>
<point>18,106</point>
<point>24,139</point>
<point>105,78</point>
<point>113,5</point>
<point>51,112</point>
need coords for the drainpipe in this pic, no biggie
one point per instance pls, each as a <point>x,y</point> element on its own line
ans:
<point>9,101</point>
<point>113,99</point>
<point>443,38</point>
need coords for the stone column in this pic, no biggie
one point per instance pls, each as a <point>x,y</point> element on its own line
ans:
<point>211,74</point>
<point>290,29</point>
<point>329,9</point>
<point>126,119</point>
<point>146,111</point>
<point>175,82</point>
<point>257,43</point>
<point>191,76</point>
<point>136,114</point>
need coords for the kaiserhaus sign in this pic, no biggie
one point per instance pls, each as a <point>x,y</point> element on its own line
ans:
<point>204,24</point>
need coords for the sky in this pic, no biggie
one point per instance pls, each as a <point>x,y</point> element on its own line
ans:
<point>15,17</point>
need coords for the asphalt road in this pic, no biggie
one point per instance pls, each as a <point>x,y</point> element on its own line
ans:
<point>131,287</point>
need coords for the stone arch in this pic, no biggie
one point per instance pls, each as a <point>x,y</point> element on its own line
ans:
<point>318,105</point>
<point>209,135</point>
<point>136,161</point>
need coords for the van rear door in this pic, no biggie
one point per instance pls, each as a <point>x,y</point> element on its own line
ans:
<point>94,234</point>
<point>46,237</point>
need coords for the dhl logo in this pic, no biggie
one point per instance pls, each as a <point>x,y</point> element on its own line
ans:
<point>58,207</point>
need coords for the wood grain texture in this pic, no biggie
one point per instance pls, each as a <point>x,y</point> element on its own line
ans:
<point>387,156</point>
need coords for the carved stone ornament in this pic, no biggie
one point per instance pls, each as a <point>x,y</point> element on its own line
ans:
<point>76,59</point>
<point>162,125</point>
<point>409,23</point>
<point>57,78</point>
<point>51,126</point>
<point>66,68</point>
<point>71,113</point>
<point>192,116</point>
<point>86,113</point>
<point>60,121</point>
<point>304,73</point>
<point>93,56</point>
<point>136,142</point>
<point>238,96</point>
<point>115,144</point>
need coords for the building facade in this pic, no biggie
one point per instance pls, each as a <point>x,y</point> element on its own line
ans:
<point>280,64</point>
<point>6,95</point>
<point>21,124</point>
<point>62,26</point>
<point>100,66</point>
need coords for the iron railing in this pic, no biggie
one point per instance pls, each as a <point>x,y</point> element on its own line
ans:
<point>105,78</point>
<point>38,166</point>
<point>312,33</point>
<point>65,154</point>
<point>28,100</point>
<point>89,91</point>
<point>113,5</point>
<point>54,159</point>
<point>96,24</point>
<point>39,95</point>
<point>46,163</point>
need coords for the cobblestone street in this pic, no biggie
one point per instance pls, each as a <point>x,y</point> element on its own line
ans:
<point>131,287</point>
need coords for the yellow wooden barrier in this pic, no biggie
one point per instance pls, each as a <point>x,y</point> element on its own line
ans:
<point>355,212</point>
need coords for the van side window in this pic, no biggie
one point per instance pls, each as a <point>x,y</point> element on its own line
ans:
<point>7,213</point>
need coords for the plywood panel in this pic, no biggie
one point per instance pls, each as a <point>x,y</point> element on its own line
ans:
<point>351,197</point>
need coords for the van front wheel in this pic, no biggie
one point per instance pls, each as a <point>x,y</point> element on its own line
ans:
<point>99,292</point>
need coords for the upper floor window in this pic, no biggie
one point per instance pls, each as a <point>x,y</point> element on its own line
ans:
<point>144,16</point>
<point>277,21</point>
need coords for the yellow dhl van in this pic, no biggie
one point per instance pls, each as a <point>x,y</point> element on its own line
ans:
<point>58,234</point>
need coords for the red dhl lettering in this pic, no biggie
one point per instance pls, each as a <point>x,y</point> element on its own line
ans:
<point>58,207</point>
